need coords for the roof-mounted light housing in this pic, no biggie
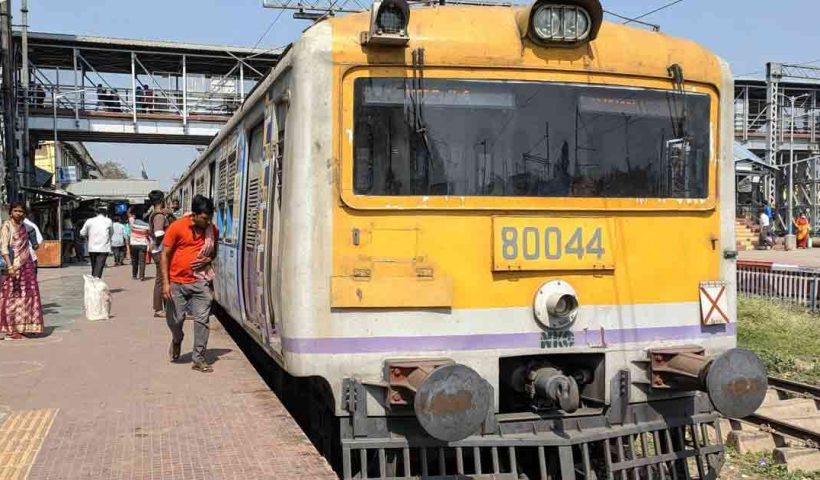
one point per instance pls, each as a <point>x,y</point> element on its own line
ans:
<point>388,23</point>
<point>563,22</point>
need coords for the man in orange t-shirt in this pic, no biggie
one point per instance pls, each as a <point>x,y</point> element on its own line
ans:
<point>189,249</point>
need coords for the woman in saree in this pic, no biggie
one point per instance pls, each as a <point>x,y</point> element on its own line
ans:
<point>21,312</point>
<point>803,227</point>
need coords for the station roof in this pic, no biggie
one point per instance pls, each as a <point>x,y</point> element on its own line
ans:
<point>746,160</point>
<point>113,55</point>
<point>133,190</point>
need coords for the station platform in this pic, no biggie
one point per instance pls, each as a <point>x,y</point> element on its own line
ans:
<point>806,257</point>
<point>100,400</point>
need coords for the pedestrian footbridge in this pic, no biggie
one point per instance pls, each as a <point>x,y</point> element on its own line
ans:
<point>98,89</point>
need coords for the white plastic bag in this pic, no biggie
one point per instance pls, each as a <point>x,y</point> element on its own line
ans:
<point>97,299</point>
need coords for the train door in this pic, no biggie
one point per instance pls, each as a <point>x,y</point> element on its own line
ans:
<point>227,284</point>
<point>252,247</point>
<point>275,117</point>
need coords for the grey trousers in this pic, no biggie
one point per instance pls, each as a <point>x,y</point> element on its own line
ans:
<point>196,299</point>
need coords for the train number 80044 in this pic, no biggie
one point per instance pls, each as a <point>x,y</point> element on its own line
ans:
<point>551,244</point>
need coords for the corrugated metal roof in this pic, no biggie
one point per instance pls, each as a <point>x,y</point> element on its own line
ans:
<point>132,43</point>
<point>113,55</point>
<point>134,190</point>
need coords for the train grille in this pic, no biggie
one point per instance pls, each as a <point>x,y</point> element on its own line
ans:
<point>692,451</point>
<point>253,214</point>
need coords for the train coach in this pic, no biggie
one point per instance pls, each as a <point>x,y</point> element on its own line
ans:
<point>491,240</point>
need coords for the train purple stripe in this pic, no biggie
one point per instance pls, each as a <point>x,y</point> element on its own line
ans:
<point>585,338</point>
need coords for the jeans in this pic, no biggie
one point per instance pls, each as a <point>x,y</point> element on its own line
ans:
<point>158,300</point>
<point>138,261</point>
<point>119,255</point>
<point>97,263</point>
<point>194,298</point>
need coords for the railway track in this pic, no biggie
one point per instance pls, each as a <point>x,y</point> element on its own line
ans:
<point>791,411</point>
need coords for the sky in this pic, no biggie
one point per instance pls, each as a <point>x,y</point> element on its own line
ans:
<point>747,33</point>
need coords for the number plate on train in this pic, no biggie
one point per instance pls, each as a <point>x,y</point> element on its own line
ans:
<point>537,243</point>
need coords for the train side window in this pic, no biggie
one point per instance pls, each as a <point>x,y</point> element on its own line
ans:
<point>226,173</point>
<point>281,118</point>
<point>211,179</point>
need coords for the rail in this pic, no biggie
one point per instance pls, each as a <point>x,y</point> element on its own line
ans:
<point>795,388</point>
<point>787,283</point>
<point>784,428</point>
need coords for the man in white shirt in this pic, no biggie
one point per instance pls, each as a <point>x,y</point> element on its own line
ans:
<point>98,230</point>
<point>764,240</point>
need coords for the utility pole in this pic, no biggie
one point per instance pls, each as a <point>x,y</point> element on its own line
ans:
<point>6,50</point>
<point>28,163</point>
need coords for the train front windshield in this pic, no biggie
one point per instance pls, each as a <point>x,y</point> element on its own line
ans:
<point>528,139</point>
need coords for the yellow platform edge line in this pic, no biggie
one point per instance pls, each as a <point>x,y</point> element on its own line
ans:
<point>30,429</point>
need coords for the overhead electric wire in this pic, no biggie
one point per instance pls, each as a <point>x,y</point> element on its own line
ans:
<point>801,64</point>
<point>628,20</point>
<point>653,11</point>
<point>654,27</point>
<point>267,30</point>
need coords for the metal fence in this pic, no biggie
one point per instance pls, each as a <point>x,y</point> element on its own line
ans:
<point>141,103</point>
<point>787,283</point>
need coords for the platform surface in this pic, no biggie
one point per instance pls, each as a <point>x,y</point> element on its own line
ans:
<point>100,400</point>
<point>804,257</point>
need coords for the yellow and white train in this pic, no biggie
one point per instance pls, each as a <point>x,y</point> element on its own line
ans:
<point>497,240</point>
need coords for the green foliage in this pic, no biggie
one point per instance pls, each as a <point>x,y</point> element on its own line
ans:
<point>787,338</point>
<point>112,169</point>
<point>762,466</point>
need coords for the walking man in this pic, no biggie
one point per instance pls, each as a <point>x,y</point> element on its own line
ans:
<point>763,239</point>
<point>138,244</point>
<point>158,223</point>
<point>98,231</point>
<point>118,241</point>
<point>189,249</point>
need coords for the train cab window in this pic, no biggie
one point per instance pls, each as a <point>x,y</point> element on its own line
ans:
<point>531,139</point>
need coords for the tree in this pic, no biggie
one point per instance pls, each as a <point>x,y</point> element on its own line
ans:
<point>113,169</point>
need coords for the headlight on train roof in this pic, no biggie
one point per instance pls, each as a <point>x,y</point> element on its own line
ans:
<point>388,23</point>
<point>564,22</point>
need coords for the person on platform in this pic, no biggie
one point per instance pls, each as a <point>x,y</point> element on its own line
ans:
<point>802,232</point>
<point>139,99</point>
<point>139,242</point>
<point>98,230</point>
<point>176,210</point>
<point>159,221</point>
<point>767,209</point>
<point>115,102</point>
<point>102,99</point>
<point>149,98</point>
<point>118,241</point>
<point>764,239</point>
<point>21,311</point>
<point>189,249</point>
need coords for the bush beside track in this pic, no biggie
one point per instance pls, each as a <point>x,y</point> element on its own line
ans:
<point>787,338</point>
